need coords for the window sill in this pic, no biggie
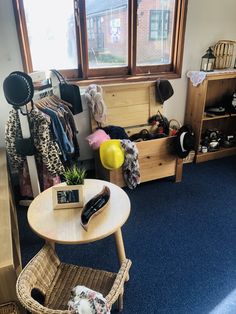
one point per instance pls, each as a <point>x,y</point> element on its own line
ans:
<point>127,79</point>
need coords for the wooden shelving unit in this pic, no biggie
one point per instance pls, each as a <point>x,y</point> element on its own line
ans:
<point>208,93</point>
<point>226,116</point>
<point>222,152</point>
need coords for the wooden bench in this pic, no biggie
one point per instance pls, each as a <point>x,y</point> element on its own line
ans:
<point>130,106</point>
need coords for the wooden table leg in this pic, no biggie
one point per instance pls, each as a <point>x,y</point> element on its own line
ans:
<point>120,247</point>
<point>178,170</point>
<point>51,243</point>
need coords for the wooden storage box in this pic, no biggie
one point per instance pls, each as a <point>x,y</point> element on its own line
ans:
<point>130,106</point>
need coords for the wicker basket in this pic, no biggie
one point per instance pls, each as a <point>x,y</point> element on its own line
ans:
<point>223,51</point>
<point>190,157</point>
<point>9,308</point>
<point>174,126</point>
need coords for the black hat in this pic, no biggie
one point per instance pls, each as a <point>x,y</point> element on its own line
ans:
<point>18,88</point>
<point>185,140</point>
<point>164,90</point>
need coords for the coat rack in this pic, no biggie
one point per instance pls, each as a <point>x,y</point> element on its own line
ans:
<point>54,90</point>
<point>19,92</point>
<point>33,173</point>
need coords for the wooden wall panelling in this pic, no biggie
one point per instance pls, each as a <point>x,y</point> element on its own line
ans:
<point>10,257</point>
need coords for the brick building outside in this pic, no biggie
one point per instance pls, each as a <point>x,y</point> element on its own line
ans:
<point>108,31</point>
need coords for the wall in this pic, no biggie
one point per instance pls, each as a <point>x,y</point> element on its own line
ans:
<point>207,22</point>
<point>10,58</point>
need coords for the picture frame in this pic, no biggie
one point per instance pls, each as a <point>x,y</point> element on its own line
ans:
<point>67,196</point>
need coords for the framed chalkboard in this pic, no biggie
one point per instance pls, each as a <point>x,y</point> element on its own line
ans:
<point>68,196</point>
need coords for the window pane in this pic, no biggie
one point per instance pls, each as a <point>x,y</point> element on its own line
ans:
<point>51,31</point>
<point>107,29</point>
<point>155,31</point>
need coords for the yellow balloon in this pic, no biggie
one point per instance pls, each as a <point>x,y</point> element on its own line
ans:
<point>111,154</point>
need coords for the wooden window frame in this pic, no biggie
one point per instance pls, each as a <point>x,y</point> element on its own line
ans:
<point>130,73</point>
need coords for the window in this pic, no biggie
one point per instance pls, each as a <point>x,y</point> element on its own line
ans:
<point>90,39</point>
<point>109,49</point>
<point>155,34</point>
<point>159,24</point>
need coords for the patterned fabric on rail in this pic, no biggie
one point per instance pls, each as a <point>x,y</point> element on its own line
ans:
<point>47,149</point>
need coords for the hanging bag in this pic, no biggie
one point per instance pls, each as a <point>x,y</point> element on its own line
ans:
<point>69,93</point>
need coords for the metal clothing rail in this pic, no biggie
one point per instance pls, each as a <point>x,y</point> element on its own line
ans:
<point>33,173</point>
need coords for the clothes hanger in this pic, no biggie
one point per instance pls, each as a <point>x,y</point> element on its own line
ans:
<point>59,100</point>
<point>40,104</point>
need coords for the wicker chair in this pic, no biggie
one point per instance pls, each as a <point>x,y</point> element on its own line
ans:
<point>9,308</point>
<point>55,281</point>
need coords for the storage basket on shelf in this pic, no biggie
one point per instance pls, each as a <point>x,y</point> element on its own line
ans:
<point>174,126</point>
<point>223,51</point>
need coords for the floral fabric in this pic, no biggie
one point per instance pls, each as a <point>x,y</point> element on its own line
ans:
<point>131,171</point>
<point>87,301</point>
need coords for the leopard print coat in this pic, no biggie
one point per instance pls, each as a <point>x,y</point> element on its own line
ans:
<point>47,149</point>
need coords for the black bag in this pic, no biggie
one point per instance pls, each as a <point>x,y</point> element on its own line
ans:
<point>163,122</point>
<point>25,146</point>
<point>69,93</point>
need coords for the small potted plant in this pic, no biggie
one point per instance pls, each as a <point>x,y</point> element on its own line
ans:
<point>71,194</point>
<point>74,175</point>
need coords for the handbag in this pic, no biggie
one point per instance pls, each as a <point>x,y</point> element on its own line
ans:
<point>162,121</point>
<point>69,93</point>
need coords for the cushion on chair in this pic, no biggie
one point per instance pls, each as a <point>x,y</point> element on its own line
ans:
<point>69,276</point>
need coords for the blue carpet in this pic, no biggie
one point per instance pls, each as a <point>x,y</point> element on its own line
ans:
<point>180,238</point>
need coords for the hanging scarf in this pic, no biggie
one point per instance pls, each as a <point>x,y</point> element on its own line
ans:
<point>94,99</point>
<point>131,172</point>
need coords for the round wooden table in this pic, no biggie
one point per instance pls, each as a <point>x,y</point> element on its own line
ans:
<point>63,225</point>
